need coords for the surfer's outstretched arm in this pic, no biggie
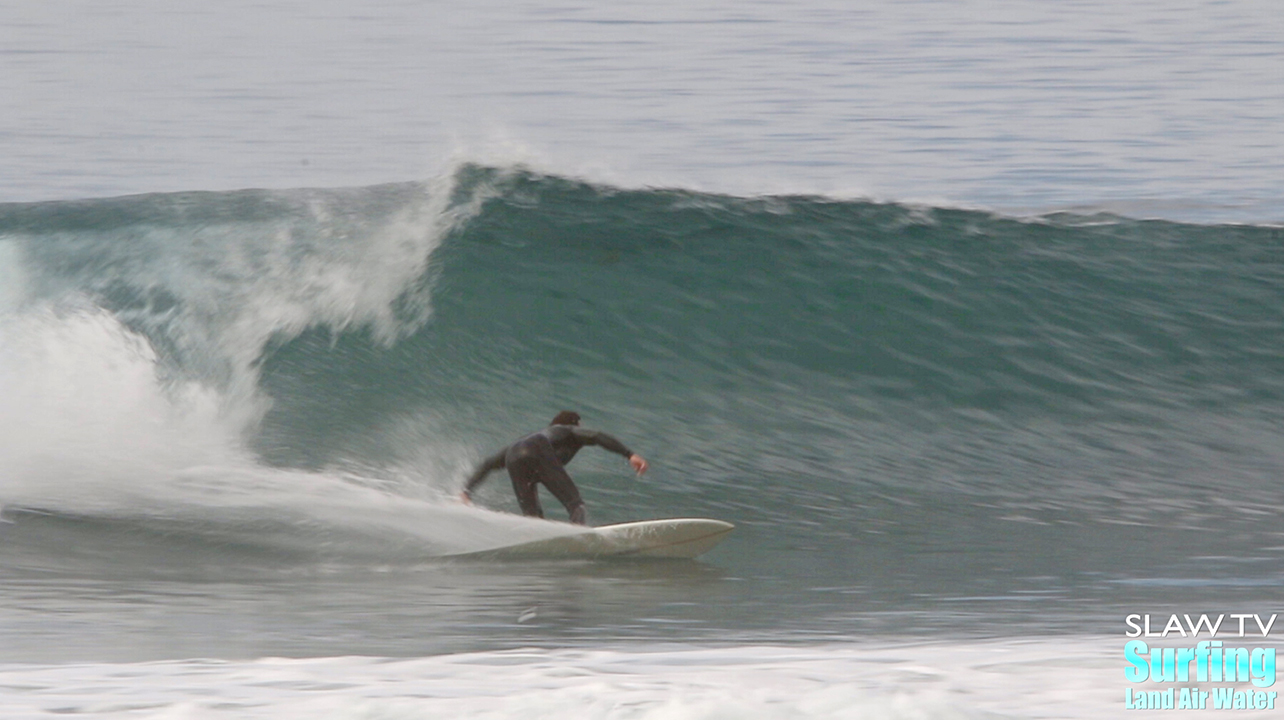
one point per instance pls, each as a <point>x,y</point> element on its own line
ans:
<point>609,442</point>
<point>488,466</point>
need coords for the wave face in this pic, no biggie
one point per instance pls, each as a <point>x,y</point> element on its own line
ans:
<point>787,352</point>
<point>779,359</point>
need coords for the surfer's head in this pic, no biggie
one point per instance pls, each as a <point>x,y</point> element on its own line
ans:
<point>566,417</point>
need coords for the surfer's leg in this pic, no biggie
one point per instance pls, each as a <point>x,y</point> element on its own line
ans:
<point>579,515</point>
<point>525,476</point>
<point>558,482</point>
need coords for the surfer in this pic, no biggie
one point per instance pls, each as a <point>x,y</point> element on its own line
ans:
<point>541,458</point>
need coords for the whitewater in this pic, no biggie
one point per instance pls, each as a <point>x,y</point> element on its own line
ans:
<point>969,316</point>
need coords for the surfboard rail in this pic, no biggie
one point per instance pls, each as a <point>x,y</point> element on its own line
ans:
<point>681,538</point>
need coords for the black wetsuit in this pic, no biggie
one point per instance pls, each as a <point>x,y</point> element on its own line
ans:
<point>539,458</point>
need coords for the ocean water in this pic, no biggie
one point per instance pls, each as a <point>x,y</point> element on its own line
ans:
<point>970,316</point>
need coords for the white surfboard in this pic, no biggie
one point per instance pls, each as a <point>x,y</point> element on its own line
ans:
<point>670,538</point>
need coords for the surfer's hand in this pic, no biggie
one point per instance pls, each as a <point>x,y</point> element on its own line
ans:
<point>639,463</point>
<point>464,498</point>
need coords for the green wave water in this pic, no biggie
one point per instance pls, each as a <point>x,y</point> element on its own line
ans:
<point>813,348</point>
